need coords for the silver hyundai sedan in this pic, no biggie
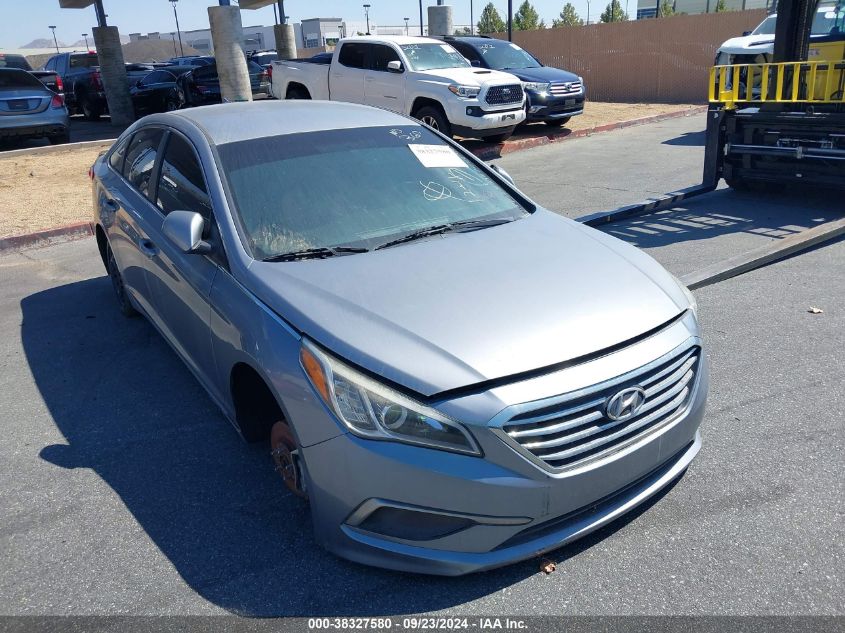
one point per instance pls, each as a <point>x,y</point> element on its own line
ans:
<point>454,377</point>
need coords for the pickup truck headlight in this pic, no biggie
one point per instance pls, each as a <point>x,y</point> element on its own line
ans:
<point>536,86</point>
<point>467,92</point>
<point>372,410</point>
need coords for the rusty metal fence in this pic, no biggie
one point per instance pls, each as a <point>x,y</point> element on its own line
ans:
<point>643,61</point>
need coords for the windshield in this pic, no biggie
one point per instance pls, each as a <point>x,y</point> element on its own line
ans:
<point>432,56</point>
<point>358,187</point>
<point>829,20</point>
<point>506,56</point>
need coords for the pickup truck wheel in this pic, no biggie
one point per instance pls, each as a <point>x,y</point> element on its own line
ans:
<point>297,93</point>
<point>558,122</point>
<point>123,302</point>
<point>434,118</point>
<point>90,111</point>
<point>171,104</point>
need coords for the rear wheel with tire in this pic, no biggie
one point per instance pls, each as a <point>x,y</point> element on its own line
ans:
<point>90,110</point>
<point>434,118</point>
<point>557,122</point>
<point>123,302</point>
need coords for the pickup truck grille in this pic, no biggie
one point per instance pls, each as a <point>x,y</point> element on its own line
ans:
<point>502,95</point>
<point>564,89</point>
<point>578,431</point>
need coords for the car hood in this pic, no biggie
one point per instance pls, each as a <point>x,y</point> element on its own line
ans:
<point>467,76</point>
<point>544,73</point>
<point>748,45</point>
<point>462,308</point>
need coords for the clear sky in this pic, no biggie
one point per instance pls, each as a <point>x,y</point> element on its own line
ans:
<point>25,20</point>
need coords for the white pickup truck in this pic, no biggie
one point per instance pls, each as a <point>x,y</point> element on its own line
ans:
<point>424,78</point>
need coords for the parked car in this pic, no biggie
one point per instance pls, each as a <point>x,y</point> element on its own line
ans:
<point>80,73</point>
<point>201,86</point>
<point>422,77</point>
<point>191,60</point>
<point>454,377</point>
<point>757,46</point>
<point>554,96</point>
<point>156,92</point>
<point>48,78</point>
<point>28,109</point>
<point>263,58</point>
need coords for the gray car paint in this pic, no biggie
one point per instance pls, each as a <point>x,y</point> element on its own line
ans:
<point>498,301</point>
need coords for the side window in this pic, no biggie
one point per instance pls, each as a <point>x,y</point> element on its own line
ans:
<point>352,55</point>
<point>51,64</point>
<point>467,51</point>
<point>181,185</point>
<point>141,158</point>
<point>381,55</point>
<point>117,156</point>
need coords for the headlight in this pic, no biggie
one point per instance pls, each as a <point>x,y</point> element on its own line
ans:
<point>536,86</point>
<point>693,304</point>
<point>467,92</point>
<point>375,411</point>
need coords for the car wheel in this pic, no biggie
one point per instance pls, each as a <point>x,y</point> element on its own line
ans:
<point>60,139</point>
<point>171,104</point>
<point>558,122</point>
<point>283,449</point>
<point>90,111</point>
<point>297,93</point>
<point>434,118</point>
<point>123,302</point>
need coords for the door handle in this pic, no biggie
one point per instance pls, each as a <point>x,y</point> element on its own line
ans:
<point>148,248</point>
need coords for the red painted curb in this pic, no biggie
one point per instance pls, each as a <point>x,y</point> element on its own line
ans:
<point>41,238</point>
<point>497,151</point>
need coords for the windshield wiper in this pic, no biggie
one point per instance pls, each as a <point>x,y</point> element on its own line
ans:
<point>444,228</point>
<point>315,253</point>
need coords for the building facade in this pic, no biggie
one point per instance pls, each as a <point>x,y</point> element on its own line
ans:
<point>648,8</point>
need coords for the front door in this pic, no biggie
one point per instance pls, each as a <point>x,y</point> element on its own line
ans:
<point>346,76</point>
<point>382,87</point>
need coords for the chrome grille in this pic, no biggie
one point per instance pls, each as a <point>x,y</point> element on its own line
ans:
<point>501,95</point>
<point>563,89</point>
<point>578,431</point>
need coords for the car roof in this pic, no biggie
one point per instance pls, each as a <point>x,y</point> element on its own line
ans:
<point>225,123</point>
<point>396,39</point>
<point>474,40</point>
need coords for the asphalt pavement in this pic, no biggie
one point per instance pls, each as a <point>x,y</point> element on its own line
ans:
<point>124,491</point>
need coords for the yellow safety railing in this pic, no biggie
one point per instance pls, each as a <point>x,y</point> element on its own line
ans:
<point>790,82</point>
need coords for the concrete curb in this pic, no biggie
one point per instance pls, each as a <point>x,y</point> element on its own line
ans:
<point>497,151</point>
<point>52,149</point>
<point>86,229</point>
<point>47,236</point>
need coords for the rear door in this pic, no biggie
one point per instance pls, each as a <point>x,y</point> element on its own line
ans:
<point>382,87</point>
<point>127,213</point>
<point>346,76</point>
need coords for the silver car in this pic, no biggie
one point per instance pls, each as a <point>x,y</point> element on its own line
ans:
<point>454,377</point>
<point>28,109</point>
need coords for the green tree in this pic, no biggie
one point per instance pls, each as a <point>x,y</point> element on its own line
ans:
<point>667,9</point>
<point>526,18</point>
<point>568,17</point>
<point>464,30</point>
<point>614,12</point>
<point>721,6</point>
<point>490,21</point>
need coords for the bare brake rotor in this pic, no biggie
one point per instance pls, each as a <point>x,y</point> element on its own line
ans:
<point>286,458</point>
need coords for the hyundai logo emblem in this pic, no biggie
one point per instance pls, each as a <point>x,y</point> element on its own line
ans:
<point>625,404</point>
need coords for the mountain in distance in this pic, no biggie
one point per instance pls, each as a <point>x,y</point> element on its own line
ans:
<point>43,42</point>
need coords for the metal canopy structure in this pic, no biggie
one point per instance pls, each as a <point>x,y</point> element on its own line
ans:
<point>75,4</point>
<point>255,4</point>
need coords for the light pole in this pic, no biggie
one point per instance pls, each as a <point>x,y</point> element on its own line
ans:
<point>175,52</point>
<point>406,25</point>
<point>178,32</point>
<point>421,20</point>
<point>85,35</point>
<point>55,41</point>
<point>588,11</point>
<point>367,16</point>
<point>510,20</point>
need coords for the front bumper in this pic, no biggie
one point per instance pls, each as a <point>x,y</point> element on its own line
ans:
<point>450,514</point>
<point>469,117</point>
<point>544,107</point>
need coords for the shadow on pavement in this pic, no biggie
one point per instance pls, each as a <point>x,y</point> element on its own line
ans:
<point>688,139</point>
<point>131,411</point>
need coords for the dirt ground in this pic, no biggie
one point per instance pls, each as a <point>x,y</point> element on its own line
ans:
<point>46,190</point>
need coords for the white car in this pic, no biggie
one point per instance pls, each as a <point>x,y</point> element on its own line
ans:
<point>757,47</point>
<point>424,78</point>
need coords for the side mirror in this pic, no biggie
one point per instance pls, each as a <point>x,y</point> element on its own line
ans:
<point>476,63</point>
<point>746,33</point>
<point>395,67</point>
<point>184,229</point>
<point>503,174</point>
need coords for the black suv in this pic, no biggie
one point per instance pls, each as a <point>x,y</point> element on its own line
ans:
<point>554,95</point>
